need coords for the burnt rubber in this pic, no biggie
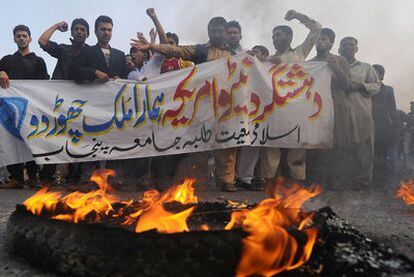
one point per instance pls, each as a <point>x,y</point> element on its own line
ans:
<point>94,250</point>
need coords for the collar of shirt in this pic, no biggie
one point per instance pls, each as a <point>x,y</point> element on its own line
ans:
<point>30,55</point>
<point>356,62</point>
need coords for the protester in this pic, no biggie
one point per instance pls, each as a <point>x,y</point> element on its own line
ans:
<point>216,48</point>
<point>234,37</point>
<point>249,162</point>
<point>64,53</point>
<point>384,112</point>
<point>327,166</point>
<point>282,39</point>
<point>129,62</point>
<point>168,63</point>
<point>364,84</point>
<point>23,64</point>
<point>101,61</point>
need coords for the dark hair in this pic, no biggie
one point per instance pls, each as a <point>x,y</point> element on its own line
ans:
<point>234,24</point>
<point>103,19</point>
<point>262,49</point>
<point>128,55</point>
<point>217,21</point>
<point>82,22</point>
<point>379,68</point>
<point>284,29</point>
<point>173,36</point>
<point>328,33</point>
<point>21,28</point>
<point>349,38</point>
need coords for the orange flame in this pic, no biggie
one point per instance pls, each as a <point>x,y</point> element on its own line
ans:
<point>156,217</point>
<point>269,249</point>
<point>42,200</point>
<point>406,192</point>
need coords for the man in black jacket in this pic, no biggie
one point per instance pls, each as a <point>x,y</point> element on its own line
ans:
<point>23,64</point>
<point>384,112</point>
<point>100,62</point>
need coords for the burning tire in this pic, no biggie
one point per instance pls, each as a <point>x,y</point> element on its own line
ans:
<point>94,250</point>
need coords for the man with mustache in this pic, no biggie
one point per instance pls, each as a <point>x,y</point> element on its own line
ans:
<point>64,53</point>
<point>23,64</point>
<point>101,61</point>
<point>364,85</point>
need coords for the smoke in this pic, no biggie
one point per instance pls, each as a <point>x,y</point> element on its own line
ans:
<point>383,29</point>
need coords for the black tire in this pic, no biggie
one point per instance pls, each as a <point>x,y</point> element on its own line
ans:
<point>90,250</point>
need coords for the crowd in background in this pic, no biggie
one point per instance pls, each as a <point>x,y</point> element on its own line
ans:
<point>373,141</point>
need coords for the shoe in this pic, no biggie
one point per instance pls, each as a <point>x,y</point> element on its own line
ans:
<point>228,187</point>
<point>13,184</point>
<point>259,185</point>
<point>243,185</point>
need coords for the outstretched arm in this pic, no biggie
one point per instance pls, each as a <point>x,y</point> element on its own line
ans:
<point>314,34</point>
<point>184,52</point>
<point>50,46</point>
<point>161,33</point>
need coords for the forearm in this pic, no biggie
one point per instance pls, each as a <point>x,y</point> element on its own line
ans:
<point>45,37</point>
<point>160,29</point>
<point>184,52</point>
<point>311,24</point>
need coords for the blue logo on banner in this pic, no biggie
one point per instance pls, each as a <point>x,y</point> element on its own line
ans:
<point>12,114</point>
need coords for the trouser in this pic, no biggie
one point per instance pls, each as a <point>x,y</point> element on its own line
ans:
<point>226,165</point>
<point>248,161</point>
<point>3,174</point>
<point>295,161</point>
<point>17,171</point>
<point>362,159</point>
<point>47,172</point>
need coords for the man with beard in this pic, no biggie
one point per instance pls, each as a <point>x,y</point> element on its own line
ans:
<point>215,48</point>
<point>326,166</point>
<point>23,64</point>
<point>364,84</point>
<point>64,53</point>
<point>282,38</point>
<point>101,61</point>
<point>234,37</point>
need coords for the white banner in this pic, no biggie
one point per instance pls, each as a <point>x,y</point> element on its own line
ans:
<point>220,104</point>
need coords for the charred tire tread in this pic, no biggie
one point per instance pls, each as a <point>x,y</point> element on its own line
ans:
<point>88,250</point>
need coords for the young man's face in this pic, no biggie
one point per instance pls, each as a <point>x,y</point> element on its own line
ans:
<point>104,32</point>
<point>233,37</point>
<point>324,44</point>
<point>129,62</point>
<point>348,48</point>
<point>139,57</point>
<point>217,35</point>
<point>22,39</point>
<point>259,55</point>
<point>79,33</point>
<point>171,41</point>
<point>280,39</point>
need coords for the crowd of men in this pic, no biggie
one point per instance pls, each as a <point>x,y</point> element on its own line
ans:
<point>373,141</point>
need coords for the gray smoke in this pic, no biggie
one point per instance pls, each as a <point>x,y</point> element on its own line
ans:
<point>383,29</point>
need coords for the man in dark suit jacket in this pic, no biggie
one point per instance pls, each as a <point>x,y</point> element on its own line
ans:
<point>100,62</point>
<point>384,112</point>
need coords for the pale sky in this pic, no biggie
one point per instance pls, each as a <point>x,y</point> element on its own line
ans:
<point>383,27</point>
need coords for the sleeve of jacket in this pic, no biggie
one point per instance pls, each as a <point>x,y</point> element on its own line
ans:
<point>372,84</point>
<point>80,67</point>
<point>124,69</point>
<point>42,70</point>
